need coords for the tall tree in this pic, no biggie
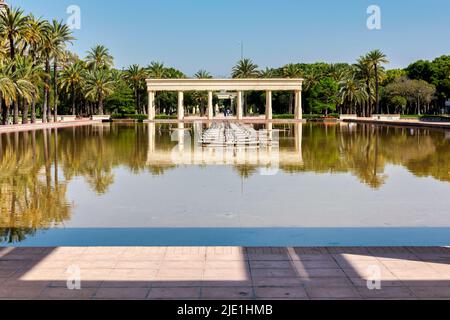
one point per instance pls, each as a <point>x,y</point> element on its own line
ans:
<point>12,24</point>
<point>71,80</point>
<point>377,59</point>
<point>99,58</point>
<point>245,69</point>
<point>99,85</point>
<point>135,76</point>
<point>61,34</point>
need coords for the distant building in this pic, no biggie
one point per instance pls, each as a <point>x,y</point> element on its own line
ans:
<point>3,4</point>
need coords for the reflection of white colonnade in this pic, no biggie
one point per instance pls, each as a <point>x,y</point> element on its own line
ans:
<point>267,155</point>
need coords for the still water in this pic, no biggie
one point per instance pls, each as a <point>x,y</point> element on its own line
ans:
<point>156,184</point>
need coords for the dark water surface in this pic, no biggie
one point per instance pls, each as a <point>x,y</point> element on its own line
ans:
<point>154,184</point>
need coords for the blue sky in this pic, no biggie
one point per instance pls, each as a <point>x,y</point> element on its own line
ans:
<point>205,34</point>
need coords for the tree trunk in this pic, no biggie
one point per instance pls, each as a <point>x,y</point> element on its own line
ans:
<point>4,113</point>
<point>25,112</point>
<point>55,90</point>
<point>377,90</point>
<point>33,111</point>
<point>291,104</point>
<point>74,112</point>
<point>100,105</point>
<point>15,112</point>
<point>46,99</point>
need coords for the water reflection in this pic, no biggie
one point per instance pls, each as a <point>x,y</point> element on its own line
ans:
<point>37,167</point>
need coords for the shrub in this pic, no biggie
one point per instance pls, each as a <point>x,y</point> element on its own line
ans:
<point>138,117</point>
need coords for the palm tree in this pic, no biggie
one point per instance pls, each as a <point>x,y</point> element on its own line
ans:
<point>377,58</point>
<point>268,73</point>
<point>364,71</point>
<point>352,93</point>
<point>28,76</point>
<point>12,25</point>
<point>7,89</point>
<point>135,76</point>
<point>156,70</point>
<point>99,84</point>
<point>245,69</point>
<point>33,36</point>
<point>99,58</point>
<point>47,47</point>
<point>71,79</point>
<point>292,71</point>
<point>61,34</point>
<point>203,74</point>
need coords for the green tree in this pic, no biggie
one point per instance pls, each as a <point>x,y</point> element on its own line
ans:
<point>135,76</point>
<point>99,85</point>
<point>71,80</point>
<point>98,57</point>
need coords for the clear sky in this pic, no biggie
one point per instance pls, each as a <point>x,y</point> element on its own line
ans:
<point>206,34</point>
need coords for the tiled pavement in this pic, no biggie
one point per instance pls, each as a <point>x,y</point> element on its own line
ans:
<point>224,273</point>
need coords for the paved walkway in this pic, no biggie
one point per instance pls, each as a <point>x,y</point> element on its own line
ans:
<point>40,126</point>
<point>224,273</point>
<point>403,123</point>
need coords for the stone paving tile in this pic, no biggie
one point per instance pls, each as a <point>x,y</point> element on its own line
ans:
<point>175,283</point>
<point>137,264</point>
<point>20,292</point>
<point>84,284</point>
<point>431,292</point>
<point>240,274</point>
<point>322,273</point>
<point>226,264</point>
<point>200,264</point>
<point>277,282</point>
<point>180,274</point>
<point>174,293</point>
<point>386,292</point>
<point>271,264</point>
<point>280,292</point>
<point>65,294</point>
<point>333,292</point>
<point>269,257</point>
<point>226,283</point>
<point>227,292</point>
<point>122,293</point>
<point>326,282</point>
<point>225,273</point>
<point>273,273</point>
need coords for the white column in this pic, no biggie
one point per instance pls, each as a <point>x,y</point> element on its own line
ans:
<point>210,106</point>
<point>298,105</point>
<point>151,105</point>
<point>180,105</point>
<point>268,105</point>
<point>239,105</point>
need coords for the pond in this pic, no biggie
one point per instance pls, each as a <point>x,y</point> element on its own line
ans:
<point>157,184</point>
